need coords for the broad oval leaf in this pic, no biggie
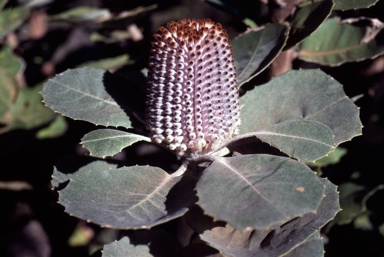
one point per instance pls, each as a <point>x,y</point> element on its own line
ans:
<point>307,18</point>
<point>305,140</point>
<point>89,94</point>
<point>11,18</point>
<point>126,198</point>
<point>353,4</point>
<point>303,94</point>
<point>108,142</point>
<point>335,42</point>
<point>280,240</point>
<point>254,50</point>
<point>82,14</point>
<point>123,248</point>
<point>258,191</point>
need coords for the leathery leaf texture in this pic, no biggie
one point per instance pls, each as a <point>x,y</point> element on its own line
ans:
<point>258,191</point>
<point>262,205</point>
<point>304,113</point>
<point>297,237</point>
<point>192,101</point>
<point>125,198</point>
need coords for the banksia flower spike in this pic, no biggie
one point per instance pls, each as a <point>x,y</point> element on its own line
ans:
<point>192,103</point>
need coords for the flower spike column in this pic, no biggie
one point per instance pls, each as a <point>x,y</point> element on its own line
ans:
<point>192,104</point>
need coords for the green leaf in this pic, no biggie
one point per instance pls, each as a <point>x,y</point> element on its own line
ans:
<point>108,142</point>
<point>353,4</point>
<point>9,62</point>
<point>128,197</point>
<point>10,19</point>
<point>254,50</point>
<point>123,248</point>
<point>335,42</point>
<point>109,63</point>
<point>351,196</point>
<point>10,66</point>
<point>364,222</point>
<point>129,17</point>
<point>92,95</point>
<point>307,18</point>
<point>303,94</point>
<point>8,93</point>
<point>353,199</point>
<point>258,191</point>
<point>83,13</point>
<point>57,128</point>
<point>305,140</point>
<point>288,239</point>
<point>333,158</point>
<point>28,112</point>
<point>81,236</point>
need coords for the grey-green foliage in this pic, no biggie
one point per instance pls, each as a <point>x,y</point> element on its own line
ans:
<point>337,42</point>
<point>108,142</point>
<point>308,17</point>
<point>11,18</point>
<point>301,113</point>
<point>249,197</point>
<point>127,197</point>
<point>20,106</point>
<point>286,239</point>
<point>297,96</point>
<point>84,94</point>
<point>256,49</point>
<point>267,189</point>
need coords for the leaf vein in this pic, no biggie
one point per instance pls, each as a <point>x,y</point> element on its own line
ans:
<point>111,137</point>
<point>224,162</point>
<point>325,107</point>
<point>85,94</point>
<point>148,197</point>
<point>292,136</point>
<point>252,57</point>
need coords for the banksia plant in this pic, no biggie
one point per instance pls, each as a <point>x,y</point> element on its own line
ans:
<point>267,205</point>
<point>192,104</point>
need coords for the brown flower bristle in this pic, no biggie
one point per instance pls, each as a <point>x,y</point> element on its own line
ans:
<point>192,103</point>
